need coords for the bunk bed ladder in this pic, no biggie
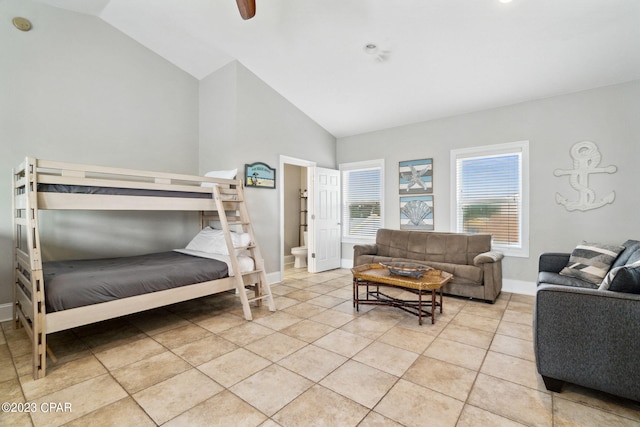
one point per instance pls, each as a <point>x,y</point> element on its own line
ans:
<point>240,217</point>
<point>28,310</point>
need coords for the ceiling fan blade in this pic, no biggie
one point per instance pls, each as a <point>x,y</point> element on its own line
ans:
<point>247,8</point>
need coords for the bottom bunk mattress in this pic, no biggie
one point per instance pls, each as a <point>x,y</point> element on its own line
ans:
<point>71,284</point>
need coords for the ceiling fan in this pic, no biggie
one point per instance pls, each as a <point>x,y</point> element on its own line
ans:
<point>247,8</point>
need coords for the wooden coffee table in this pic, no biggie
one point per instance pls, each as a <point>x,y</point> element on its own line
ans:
<point>376,276</point>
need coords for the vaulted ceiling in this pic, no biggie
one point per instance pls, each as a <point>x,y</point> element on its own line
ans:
<point>432,58</point>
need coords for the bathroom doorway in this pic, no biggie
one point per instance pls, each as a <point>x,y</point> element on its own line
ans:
<point>293,205</point>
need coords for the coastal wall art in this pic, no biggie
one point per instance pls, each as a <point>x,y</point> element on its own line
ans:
<point>586,162</point>
<point>416,212</point>
<point>416,176</point>
<point>259,175</point>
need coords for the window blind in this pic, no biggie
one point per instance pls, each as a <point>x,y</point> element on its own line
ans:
<point>362,201</point>
<point>489,197</point>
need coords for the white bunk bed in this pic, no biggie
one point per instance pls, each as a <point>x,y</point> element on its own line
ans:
<point>49,185</point>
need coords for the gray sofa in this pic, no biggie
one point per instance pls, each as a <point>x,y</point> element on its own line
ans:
<point>584,335</point>
<point>476,269</point>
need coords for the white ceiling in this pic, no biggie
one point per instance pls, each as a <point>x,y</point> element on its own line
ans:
<point>443,57</point>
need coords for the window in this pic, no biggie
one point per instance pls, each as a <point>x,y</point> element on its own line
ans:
<point>362,199</point>
<point>490,194</point>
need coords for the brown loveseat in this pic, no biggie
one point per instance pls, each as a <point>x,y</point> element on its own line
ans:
<point>477,270</point>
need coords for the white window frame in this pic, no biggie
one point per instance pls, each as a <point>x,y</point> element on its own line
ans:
<point>355,166</point>
<point>518,147</point>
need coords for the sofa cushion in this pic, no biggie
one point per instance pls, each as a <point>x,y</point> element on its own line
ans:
<point>549,278</point>
<point>469,274</point>
<point>591,261</point>
<point>625,278</point>
<point>453,248</point>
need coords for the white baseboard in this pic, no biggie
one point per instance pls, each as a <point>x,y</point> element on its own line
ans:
<point>518,286</point>
<point>6,312</point>
<point>274,277</point>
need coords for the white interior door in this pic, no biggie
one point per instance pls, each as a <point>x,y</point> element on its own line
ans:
<point>324,220</point>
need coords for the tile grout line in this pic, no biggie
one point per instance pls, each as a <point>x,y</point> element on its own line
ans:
<point>477,373</point>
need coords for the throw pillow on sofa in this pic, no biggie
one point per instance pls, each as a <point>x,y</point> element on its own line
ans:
<point>629,255</point>
<point>591,261</point>
<point>623,279</point>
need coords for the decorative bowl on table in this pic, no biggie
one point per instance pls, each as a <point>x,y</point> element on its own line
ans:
<point>407,269</point>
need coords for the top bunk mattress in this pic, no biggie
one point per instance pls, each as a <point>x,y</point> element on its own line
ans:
<point>115,191</point>
<point>71,284</point>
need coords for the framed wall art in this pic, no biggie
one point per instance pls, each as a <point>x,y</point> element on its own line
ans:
<point>259,175</point>
<point>416,212</point>
<point>416,176</point>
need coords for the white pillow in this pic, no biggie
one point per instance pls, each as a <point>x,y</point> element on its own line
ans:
<point>212,241</point>
<point>230,174</point>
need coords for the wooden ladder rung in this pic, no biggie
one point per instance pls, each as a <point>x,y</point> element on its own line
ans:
<point>236,198</point>
<point>224,190</point>
<point>230,219</point>
<point>261,297</point>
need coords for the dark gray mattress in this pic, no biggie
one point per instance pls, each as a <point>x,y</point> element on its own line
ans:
<point>86,189</point>
<point>70,284</point>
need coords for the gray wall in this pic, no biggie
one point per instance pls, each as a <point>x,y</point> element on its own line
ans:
<point>607,116</point>
<point>76,89</point>
<point>258,125</point>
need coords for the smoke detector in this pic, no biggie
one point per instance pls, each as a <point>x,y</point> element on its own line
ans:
<point>378,54</point>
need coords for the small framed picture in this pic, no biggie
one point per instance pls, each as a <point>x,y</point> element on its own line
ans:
<point>416,176</point>
<point>416,212</point>
<point>259,175</point>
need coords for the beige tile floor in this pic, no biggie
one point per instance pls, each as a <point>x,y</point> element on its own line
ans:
<point>313,362</point>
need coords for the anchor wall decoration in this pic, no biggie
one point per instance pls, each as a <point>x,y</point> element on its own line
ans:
<point>586,158</point>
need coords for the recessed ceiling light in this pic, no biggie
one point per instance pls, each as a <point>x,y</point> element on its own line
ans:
<point>504,1</point>
<point>376,52</point>
<point>371,48</point>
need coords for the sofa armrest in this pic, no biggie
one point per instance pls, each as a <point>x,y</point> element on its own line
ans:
<point>364,250</point>
<point>491,264</point>
<point>553,262</point>
<point>588,337</point>
<point>485,257</point>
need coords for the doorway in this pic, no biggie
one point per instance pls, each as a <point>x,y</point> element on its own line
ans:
<point>293,183</point>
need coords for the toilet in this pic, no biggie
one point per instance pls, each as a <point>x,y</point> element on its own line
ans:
<point>300,254</point>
